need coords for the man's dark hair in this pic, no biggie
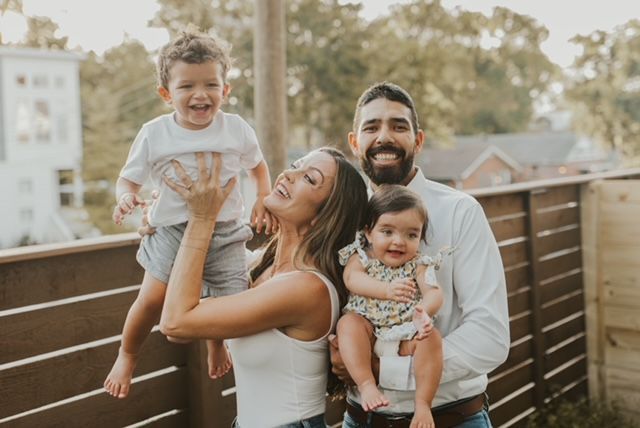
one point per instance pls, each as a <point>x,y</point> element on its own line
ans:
<point>391,92</point>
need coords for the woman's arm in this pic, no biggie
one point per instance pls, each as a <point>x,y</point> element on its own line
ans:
<point>297,303</point>
<point>288,301</point>
<point>359,282</point>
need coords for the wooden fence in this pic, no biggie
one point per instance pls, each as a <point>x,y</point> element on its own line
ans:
<point>62,309</point>
<point>611,240</point>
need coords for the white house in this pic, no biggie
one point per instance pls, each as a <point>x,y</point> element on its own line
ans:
<point>40,144</point>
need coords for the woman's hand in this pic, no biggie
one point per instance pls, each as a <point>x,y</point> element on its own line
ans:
<point>205,196</point>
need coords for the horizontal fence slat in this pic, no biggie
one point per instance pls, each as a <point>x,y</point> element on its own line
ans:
<point>507,383</point>
<point>509,228</point>
<point>514,254</point>
<point>549,220</point>
<point>502,205</point>
<point>520,301</point>
<point>520,327</point>
<point>517,405</point>
<point>148,398</point>
<point>559,287</point>
<point>29,282</point>
<point>180,419</point>
<point>47,381</point>
<point>558,240</point>
<point>560,264</point>
<point>557,196</point>
<point>570,350</point>
<point>518,353</point>
<point>562,308</point>
<point>81,322</point>
<point>572,373</point>
<point>564,331</point>
<point>517,278</point>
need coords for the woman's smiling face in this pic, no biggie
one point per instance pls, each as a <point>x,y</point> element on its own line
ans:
<point>301,190</point>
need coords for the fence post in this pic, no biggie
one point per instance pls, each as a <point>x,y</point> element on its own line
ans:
<point>202,391</point>
<point>536,305</point>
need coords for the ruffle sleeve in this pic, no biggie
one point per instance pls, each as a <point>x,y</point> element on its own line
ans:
<point>433,264</point>
<point>357,246</point>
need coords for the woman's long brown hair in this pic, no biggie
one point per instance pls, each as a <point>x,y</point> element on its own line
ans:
<point>336,224</point>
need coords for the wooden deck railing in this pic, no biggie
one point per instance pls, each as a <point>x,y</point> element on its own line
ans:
<point>62,308</point>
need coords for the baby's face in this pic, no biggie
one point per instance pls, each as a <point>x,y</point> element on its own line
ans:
<point>196,92</point>
<point>395,238</point>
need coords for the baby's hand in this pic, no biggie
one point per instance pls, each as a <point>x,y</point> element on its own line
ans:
<point>423,322</point>
<point>261,217</point>
<point>126,204</point>
<point>401,290</point>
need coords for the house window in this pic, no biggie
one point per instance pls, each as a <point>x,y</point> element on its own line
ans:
<point>25,186</point>
<point>21,80</point>
<point>65,181</point>
<point>62,128</point>
<point>26,215</point>
<point>40,81</point>
<point>43,121</point>
<point>22,121</point>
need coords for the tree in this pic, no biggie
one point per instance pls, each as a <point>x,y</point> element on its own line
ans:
<point>326,59</point>
<point>459,83</point>
<point>41,34</point>
<point>9,6</point>
<point>606,88</point>
<point>118,96</point>
<point>229,19</point>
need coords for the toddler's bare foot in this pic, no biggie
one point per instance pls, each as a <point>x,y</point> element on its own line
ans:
<point>370,396</point>
<point>422,418</point>
<point>218,359</point>
<point>118,380</point>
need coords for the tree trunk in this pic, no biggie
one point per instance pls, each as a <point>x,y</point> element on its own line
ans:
<point>269,52</point>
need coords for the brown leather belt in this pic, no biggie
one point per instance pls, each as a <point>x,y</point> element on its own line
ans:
<point>449,416</point>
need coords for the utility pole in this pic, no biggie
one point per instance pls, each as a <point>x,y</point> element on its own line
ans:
<point>270,92</point>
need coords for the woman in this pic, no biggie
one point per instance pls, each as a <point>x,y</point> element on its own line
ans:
<point>280,325</point>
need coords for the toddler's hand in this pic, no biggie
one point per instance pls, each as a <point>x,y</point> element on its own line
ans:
<point>262,218</point>
<point>423,322</point>
<point>401,290</point>
<point>126,204</point>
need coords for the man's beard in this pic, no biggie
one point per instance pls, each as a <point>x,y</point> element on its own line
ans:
<point>387,175</point>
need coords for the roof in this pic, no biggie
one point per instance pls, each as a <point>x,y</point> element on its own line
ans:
<point>539,148</point>
<point>459,162</point>
<point>13,51</point>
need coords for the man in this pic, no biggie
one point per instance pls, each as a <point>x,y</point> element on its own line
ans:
<point>474,319</point>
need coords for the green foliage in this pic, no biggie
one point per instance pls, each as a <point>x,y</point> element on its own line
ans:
<point>325,65</point>
<point>606,88</point>
<point>580,414</point>
<point>41,34</point>
<point>118,95</point>
<point>460,84</point>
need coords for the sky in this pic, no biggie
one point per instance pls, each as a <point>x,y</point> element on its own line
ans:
<point>98,25</point>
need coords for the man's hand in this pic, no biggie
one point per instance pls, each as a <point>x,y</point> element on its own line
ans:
<point>423,322</point>
<point>401,290</point>
<point>337,365</point>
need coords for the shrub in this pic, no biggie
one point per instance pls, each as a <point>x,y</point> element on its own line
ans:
<point>579,414</point>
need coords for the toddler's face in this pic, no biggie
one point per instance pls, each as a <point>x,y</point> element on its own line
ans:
<point>196,92</point>
<point>395,237</point>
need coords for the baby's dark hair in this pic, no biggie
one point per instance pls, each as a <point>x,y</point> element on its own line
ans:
<point>393,198</point>
<point>193,47</point>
